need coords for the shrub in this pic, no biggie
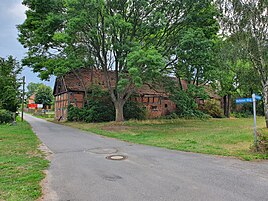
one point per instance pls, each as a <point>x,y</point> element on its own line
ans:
<point>186,102</point>
<point>263,141</point>
<point>172,116</point>
<point>100,108</point>
<point>134,110</point>
<point>5,116</point>
<point>243,114</point>
<point>212,107</point>
<point>74,113</point>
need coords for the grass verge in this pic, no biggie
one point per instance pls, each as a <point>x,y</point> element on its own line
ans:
<point>21,163</point>
<point>225,137</point>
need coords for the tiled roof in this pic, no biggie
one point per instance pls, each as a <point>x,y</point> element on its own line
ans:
<point>83,78</point>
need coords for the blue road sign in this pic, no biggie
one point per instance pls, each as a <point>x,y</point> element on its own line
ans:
<point>243,100</point>
<point>258,97</point>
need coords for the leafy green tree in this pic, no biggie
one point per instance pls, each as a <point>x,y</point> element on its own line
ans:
<point>127,37</point>
<point>9,84</point>
<point>247,23</point>
<point>235,77</point>
<point>186,100</point>
<point>32,88</point>
<point>192,53</point>
<point>44,95</point>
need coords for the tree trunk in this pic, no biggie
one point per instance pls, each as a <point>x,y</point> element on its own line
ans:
<point>265,103</point>
<point>228,112</point>
<point>227,105</point>
<point>224,105</point>
<point>119,114</point>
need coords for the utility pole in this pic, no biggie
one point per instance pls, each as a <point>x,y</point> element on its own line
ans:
<point>23,94</point>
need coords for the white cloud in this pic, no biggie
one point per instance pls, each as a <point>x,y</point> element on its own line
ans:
<point>17,10</point>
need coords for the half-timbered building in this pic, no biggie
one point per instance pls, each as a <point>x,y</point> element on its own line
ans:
<point>70,90</point>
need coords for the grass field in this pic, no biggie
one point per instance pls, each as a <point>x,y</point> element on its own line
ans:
<point>226,137</point>
<point>21,163</point>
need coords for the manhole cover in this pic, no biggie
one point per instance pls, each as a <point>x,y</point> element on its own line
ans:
<point>116,157</point>
<point>103,150</point>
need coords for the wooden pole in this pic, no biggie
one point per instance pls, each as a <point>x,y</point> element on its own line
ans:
<point>23,94</point>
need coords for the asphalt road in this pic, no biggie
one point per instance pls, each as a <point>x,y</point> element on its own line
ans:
<point>79,171</point>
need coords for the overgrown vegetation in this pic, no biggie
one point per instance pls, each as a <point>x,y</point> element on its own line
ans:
<point>100,108</point>
<point>185,101</point>
<point>213,108</point>
<point>262,141</point>
<point>5,116</point>
<point>21,163</point>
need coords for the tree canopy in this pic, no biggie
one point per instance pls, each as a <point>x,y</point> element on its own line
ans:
<point>246,23</point>
<point>32,88</point>
<point>9,84</point>
<point>43,95</point>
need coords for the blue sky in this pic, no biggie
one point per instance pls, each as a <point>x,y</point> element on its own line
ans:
<point>12,13</point>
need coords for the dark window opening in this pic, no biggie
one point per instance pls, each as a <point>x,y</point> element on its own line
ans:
<point>166,105</point>
<point>154,108</point>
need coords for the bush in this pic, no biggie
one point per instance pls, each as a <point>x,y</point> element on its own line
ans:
<point>263,143</point>
<point>212,107</point>
<point>73,113</point>
<point>242,114</point>
<point>5,116</point>
<point>134,110</point>
<point>186,102</point>
<point>99,108</point>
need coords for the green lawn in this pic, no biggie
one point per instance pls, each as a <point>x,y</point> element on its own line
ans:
<point>21,163</point>
<point>226,137</point>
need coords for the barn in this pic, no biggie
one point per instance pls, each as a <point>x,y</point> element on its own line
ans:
<point>70,90</point>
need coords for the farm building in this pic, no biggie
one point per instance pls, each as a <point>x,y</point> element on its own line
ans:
<point>70,90</point>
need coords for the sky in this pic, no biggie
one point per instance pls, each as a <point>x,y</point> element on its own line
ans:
<point>12,13</point>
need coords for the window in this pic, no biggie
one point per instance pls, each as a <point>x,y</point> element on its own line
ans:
<point>166,105</point>
<point>154,108</point>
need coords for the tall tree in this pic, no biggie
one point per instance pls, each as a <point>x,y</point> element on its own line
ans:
<point>32,88</point>
<point>193,44</point>
<point>9,84</point>
<point>111,35</point>
<point>44,96</point>
<point>247,22</point>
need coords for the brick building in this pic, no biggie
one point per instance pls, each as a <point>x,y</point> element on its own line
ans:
<point>70,90</point>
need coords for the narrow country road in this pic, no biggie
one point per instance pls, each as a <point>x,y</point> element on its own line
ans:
<point>79,171</point>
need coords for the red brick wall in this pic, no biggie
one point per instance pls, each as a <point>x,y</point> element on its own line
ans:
<point>167,107</point>
<point>156,106</point>
<point>62,102</point>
